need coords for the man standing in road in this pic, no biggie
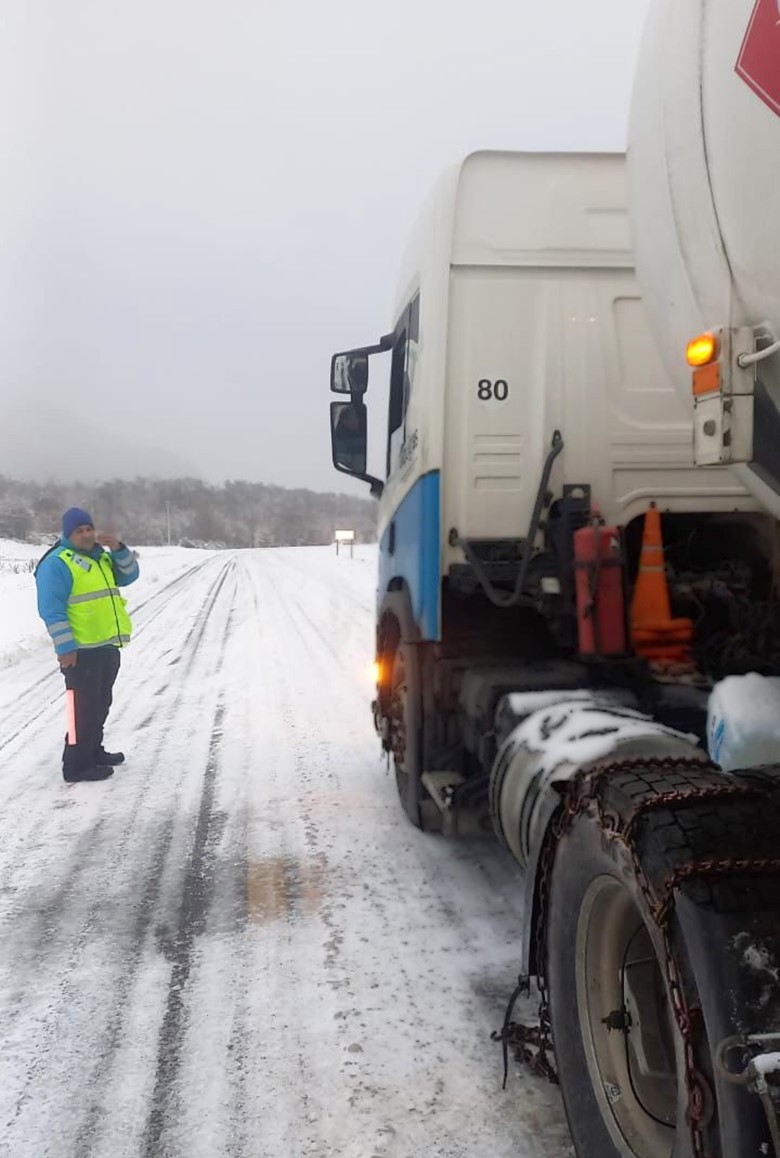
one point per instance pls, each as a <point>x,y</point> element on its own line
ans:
<point>79,600</point>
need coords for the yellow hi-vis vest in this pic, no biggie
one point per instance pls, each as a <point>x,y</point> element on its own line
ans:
<point>96,609</point>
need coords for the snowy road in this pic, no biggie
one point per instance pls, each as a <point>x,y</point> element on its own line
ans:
<point>238,946</point>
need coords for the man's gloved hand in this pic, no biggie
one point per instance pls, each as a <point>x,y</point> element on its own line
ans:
<point>109,541</point>
<point>68,660</point>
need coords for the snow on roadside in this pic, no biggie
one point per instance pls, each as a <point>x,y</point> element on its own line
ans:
<point>22,633</point>
<point>274,962</point>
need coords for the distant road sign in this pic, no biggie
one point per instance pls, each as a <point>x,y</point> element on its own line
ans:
<point>759,58</point>
<point>345,536</point>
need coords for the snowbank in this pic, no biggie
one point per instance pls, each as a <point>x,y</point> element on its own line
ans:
<point>21,631</point>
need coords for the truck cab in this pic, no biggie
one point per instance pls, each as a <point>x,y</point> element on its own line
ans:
<point>526,401</point>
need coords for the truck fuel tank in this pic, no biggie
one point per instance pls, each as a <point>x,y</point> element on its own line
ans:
<point>556,735</point>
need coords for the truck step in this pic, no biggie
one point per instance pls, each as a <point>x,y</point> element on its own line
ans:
<point>441,786</point>
<point>456,817</point>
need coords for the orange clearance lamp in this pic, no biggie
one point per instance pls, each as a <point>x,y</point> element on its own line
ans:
<point>703,355</point>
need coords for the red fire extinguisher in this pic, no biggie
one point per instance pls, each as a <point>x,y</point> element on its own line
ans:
<point>598,574</point>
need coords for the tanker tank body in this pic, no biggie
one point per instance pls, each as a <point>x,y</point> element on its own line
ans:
<point>704,166</point>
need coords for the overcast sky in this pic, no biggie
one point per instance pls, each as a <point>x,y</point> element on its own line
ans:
<point>202,199</point>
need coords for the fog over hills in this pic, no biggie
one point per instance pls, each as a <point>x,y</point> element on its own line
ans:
<point>202,201</point>
<point>63,445</point>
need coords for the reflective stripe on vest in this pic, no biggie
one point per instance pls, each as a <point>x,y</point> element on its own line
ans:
<point>96,609</point>
<point>85,598</point>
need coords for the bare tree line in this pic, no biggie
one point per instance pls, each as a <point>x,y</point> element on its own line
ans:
<point>188,511</point>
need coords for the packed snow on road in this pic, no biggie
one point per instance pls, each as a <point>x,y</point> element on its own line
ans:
<point>238,945</point>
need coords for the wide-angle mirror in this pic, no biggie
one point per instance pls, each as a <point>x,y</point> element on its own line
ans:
<point>349,429</point>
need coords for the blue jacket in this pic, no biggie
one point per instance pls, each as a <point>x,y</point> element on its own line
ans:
<point>54,582</point>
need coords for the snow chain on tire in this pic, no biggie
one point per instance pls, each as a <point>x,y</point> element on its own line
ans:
<point>533,1045</point>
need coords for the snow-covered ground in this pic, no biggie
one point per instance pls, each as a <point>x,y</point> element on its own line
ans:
<point>238,945</point>
<point>21,631</point>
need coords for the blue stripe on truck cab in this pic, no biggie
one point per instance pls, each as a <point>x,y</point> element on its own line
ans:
<point>414,534</point>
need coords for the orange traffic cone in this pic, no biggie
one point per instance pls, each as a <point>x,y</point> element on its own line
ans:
<point>657,637</point>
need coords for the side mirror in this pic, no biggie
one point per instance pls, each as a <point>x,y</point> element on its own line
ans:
<point>349,370</point>
<point>349,373</point>
<point>349,440</point>
<point>349,436</point>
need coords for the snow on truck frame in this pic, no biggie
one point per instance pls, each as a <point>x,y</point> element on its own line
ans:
<point>545,658</point>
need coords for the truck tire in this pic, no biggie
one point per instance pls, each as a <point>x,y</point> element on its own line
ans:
<point>624,1080</point>
<point>405,730</point>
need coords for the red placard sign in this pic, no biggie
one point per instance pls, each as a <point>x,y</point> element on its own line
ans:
<point>759,57</point>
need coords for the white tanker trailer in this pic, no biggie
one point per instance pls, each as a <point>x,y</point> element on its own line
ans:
<point>704,162</point>
<point>580,559</point>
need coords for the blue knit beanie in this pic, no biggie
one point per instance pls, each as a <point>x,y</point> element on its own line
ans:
<point>75,517</point>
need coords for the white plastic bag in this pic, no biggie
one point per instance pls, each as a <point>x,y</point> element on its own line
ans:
<point>743,721</point>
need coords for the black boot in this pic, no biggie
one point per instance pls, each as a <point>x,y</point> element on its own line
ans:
<point>74,775</point>
<point>109,759</point>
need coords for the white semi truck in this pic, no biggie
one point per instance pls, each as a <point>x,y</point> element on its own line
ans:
<point>578,542</point>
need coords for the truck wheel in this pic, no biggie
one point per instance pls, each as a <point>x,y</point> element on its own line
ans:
<point>618,1046</point>
<point>405,729</point>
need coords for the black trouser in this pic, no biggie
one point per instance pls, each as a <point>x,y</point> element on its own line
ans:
<point>91,680</point>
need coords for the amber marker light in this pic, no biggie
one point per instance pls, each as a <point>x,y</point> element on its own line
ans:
<point>377,669</point>
<point>702,350</point>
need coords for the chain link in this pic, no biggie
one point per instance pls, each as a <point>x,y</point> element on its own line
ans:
<point>533,1048</point>
<point>533,1044</point>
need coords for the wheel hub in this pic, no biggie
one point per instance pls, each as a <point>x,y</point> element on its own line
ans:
<point>626,1023</point>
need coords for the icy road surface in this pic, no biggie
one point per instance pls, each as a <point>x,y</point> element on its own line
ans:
<point>238,946</point>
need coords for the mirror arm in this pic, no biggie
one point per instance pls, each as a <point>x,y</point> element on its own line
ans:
<point>376,486</point>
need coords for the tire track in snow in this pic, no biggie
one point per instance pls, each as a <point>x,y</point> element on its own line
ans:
<point>167,589</point>
<point>151,882</point>
<point>85,854</point>
<point>68,990</point>
<point>28,731</point>
<point>290,599</point>
<point>328,580</point>
<point>208,1007</point>
<point>433,888</point>
<point>317,1050</point>
<point>37,723</point>
<point>162,599</point>
<point>82,865</point>
<point>32,690</point>
<point>188,649</point>
<point>196,897</point>
<point>281,1116</point>
<point>420,867</point>
<point>348,607</point>
<point>236,1142</point>
<point>22,696</point>
<point>144,923</point>
<point>312,746</point>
